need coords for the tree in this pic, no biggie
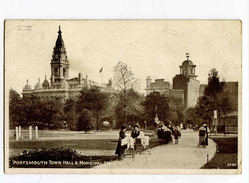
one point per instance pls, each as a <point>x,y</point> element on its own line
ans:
<point>84,121</point>
<point>94,100</point>
<point>32,107</point>
<point>43,111</point>
<point>215,98</point>
<point>176,108</point>
<point>156,103</point>
<point>124,80</point>
<point>134,108</point>
<point>191,116</point>
<point>16,114</point>
<point>70,112</point>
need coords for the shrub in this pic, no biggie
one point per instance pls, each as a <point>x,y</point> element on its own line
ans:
<point>84,121</point>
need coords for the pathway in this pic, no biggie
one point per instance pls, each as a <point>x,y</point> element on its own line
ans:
<point>185,155</point>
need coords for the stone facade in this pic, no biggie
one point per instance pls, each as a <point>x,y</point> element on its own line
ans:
<point>162,87</point>
<point>159,85</point>
<point>60,84</point>
<point>187,82</point>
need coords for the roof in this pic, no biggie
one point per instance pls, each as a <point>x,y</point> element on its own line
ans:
<point>45,83</point>
<point>38,85</point>
<point>27,86</point>
<point>187,63</point>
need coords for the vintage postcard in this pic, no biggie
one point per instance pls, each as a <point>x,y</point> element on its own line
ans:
<point>123,96</point>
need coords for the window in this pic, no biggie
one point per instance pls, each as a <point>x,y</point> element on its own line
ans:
<point>56,72</point>
<point>64,72</point>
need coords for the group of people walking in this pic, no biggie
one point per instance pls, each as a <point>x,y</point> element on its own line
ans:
<point>169,133</point>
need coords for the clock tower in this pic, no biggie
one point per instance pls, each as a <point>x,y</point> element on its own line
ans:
<point>187,82</point>
<point>59,62</point>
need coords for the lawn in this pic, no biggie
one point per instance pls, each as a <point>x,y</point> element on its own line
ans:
<point>227,154</point>
<point>104,147</point>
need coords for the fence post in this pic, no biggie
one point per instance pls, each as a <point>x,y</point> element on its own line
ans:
<point>20,132</point>
<point>17,134</point>
<point>30,132</point>
<point>36,132</point>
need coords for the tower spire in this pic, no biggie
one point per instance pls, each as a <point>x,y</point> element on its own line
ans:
<point>59,61</point>
<point>59,32</point>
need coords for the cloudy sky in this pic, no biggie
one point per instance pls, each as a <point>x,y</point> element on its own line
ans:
<point>153,48</point>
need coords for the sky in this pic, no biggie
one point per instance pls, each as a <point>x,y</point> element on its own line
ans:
<point>153,48</point>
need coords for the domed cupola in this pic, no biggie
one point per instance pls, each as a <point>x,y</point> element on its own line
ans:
<point>188,68</point>
<point>38,86</point>
<point>27,86</point>
<point>45,83</point>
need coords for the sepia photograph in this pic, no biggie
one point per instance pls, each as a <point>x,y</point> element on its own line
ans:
<point>123,96</point>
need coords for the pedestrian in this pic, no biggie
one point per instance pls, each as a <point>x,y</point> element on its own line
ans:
<point>177,134</point>
<point>121,149</point>
<point>167,134</point>
<point>207,131</point>
<point>181,126</point>
<point>135,132</point>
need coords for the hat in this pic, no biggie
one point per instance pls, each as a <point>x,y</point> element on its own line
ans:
<point>123,127</point>
<point>135,126</point>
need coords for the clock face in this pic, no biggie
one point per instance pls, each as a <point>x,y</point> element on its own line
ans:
<point>56,56</point>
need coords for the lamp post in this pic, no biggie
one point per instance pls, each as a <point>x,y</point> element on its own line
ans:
<point>157,122</point>
<point>215,121</point>
<point>145,125</point>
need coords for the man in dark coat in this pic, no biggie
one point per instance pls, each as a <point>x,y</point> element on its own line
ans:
<point>207,131</point>
<point>121,149</point>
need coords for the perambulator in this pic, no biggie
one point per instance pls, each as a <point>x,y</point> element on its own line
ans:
<point>130,151</point>
<point>202,137</point>
<point>134,146</point>
<point>138,145</point>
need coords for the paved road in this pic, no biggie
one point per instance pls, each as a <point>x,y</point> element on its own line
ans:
<point>185,155</point>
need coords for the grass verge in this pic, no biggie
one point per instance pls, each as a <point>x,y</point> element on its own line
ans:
<point>226,156</point>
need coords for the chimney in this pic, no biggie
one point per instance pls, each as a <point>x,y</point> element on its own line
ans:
<point>80,79</point>
<point>87,82</point>
<point>148,82</point>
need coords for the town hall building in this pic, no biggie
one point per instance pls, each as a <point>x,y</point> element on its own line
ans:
<point>60,84</point>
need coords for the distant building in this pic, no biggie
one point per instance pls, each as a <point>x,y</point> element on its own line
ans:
<point>159,85</point>
<point>60,84</point>
<point>187,82</point>
<point>202,89</point>
<point>185,85</point>
<point>162,87</point>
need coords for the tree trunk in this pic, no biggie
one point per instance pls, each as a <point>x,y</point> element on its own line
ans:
<point>97,121</point>
<point>125,122</point>
<point>74,119</point>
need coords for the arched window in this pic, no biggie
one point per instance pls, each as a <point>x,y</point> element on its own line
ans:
<point>64,72</point>
<point>56,72</point>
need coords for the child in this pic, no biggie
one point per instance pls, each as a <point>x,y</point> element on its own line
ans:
<point>177,134</point>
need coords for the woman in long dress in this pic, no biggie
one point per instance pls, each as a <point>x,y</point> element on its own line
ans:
<point>121,149</point>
